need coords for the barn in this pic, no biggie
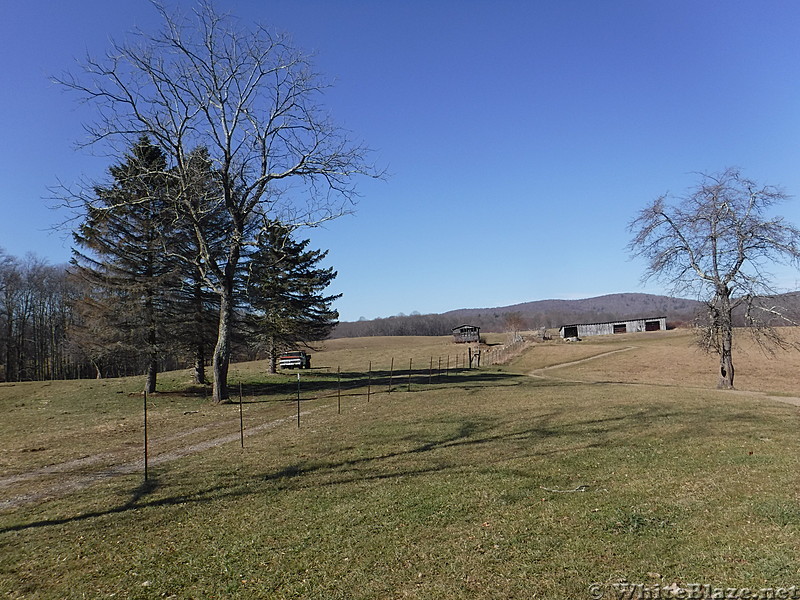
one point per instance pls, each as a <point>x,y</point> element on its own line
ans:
<point>466,333</point>
<point>623,326</point>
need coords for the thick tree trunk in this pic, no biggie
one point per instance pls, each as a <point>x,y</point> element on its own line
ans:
<point>725,340</point>
<point>222,353</point>
<point>726,361</point>
<point>725,372</point>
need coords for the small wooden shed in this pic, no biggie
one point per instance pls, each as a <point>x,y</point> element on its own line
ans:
<point>466,333</point>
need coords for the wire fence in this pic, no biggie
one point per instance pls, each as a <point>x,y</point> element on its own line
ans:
<point>401,375</point>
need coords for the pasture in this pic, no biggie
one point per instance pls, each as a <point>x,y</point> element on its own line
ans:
<point>608,461</point>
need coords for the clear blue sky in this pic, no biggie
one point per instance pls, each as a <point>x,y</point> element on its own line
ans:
<point>521,137</point>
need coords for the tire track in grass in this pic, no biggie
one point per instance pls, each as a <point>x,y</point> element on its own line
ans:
<point>539,373</point>
<point>73,482</point>
<point>90,459</point>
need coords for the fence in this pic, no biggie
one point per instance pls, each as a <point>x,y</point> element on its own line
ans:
<point>502,354</point>
<point>324,383</point>
<point>403,374</point>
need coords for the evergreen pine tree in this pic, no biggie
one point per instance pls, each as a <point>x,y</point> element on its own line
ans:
<point>123,257</point>
<point>285,291</point>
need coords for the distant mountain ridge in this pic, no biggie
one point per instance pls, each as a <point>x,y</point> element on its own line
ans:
<point>610,307</point>
<point>538,313</point>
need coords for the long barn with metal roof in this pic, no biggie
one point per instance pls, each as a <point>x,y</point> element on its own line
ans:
<point>580,330</point>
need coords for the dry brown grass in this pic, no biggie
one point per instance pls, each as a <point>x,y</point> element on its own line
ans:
<point>669,358</point>
<point>443,492</point>
<point>50,422</point>
<point>355,354</point>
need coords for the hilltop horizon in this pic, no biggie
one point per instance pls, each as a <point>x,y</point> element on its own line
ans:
<point>534,314</point>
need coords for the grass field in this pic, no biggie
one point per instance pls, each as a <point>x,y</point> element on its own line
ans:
<point>521,481</point>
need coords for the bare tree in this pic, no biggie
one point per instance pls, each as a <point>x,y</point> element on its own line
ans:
<point>10,293</point>
<point>248,97</point>
<point>35,309</point>
<point>718,242</point>
<point>514,323</point>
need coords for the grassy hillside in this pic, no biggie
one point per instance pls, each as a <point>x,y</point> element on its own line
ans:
<point>533,480</point>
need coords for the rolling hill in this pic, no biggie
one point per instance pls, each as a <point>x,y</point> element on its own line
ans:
<point>539,313</point>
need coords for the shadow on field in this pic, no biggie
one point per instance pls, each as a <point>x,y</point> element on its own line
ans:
<point>462,440</point>
<point>314,385</point>
<point>554,433</point>
<point>140,492</point>
<point>323,382</point>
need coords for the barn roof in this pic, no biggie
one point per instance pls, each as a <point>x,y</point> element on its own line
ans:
<point>615,321</point>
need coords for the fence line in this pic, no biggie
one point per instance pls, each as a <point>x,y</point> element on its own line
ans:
<point>435,371</point>
<point>469,360</point>
<point>506,352</point>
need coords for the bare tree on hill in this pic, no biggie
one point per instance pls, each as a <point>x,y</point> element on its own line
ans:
<point>248,97</point>
<point>514,323</point>
<point>718,242</point>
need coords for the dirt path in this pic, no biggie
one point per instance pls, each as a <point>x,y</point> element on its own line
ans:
<point>75,475</point>
<point>540,373</point>
<point>78,474</point>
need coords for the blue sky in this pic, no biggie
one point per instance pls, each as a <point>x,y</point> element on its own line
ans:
<point>520,137</point>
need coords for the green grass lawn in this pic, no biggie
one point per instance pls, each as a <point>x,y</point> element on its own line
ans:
<point>465,489</point>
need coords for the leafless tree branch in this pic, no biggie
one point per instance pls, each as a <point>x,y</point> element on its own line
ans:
<point>718,242</point>
<point>249,98</point>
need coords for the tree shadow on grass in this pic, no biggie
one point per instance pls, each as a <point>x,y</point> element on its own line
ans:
<point>578,435</point>
<point>326,385</point>
<point>140,492</point>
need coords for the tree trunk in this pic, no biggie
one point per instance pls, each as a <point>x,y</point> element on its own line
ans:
<point>273,356</point>
<point>726,361</point>
<point>199,364</point>
<point>222,353</point>
<point>725,341</point>
<point>152,374</point>
<point>725,372</point>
